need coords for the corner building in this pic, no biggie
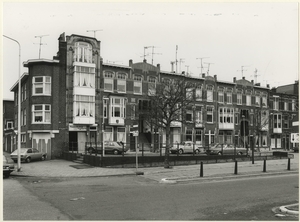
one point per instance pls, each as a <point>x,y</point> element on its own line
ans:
<point>75,99</point>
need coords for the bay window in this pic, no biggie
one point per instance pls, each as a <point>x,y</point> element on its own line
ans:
<point>41,85</point>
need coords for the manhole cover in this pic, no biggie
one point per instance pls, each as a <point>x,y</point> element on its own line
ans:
<point>79,167</point>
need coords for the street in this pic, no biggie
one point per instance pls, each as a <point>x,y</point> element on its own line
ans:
<point>139,198</point>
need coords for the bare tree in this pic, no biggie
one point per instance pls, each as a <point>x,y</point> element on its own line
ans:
<point>167,101</point>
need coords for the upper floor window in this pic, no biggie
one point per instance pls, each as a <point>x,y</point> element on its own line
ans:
<point>9,124</point>
<point>276,103</point>
<point>137,86</point>
<point>277,121</point>
<point>108,81</point>
<point>286,106</point>
<point>239,97</point>
<point>210,114</point>
<point>23,90</point>
<point>83,52</point>
<point>257,99</point>
<point>198,115</point>
<point>248,98</point>
<point>121,82</point>
<point>293,105</point>
<point>152,85</point>
<point>84,106</point>
<point>41,113</point>
<point>264,100</point>
<point>210,93</point>
<point>84,76</point>
<point>41,85</point>
<point>118,107</point>
<point>229,96</point>
<point>221,95</point>
<point>189,116</point>
<point>198,93</point>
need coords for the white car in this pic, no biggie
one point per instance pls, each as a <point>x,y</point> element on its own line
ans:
<point>186,147</point>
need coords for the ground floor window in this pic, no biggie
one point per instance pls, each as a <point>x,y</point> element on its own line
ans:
<point>189,135</point>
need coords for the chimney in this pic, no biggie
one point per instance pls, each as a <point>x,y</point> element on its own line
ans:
<point>172,66</point>
<point>145,61</point>
<point>158,66</point>
<point>252,81</point>
<point>234,79</point>
<point>215,76</point>
<point>243,77</point>
<point>203,75</point>
<point>130,62</point>
<point>268,85</point>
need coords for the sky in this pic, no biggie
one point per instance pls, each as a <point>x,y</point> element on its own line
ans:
<point>229,37</point>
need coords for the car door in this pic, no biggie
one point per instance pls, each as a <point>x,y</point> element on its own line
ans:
<point>188,147</point>
<point>37,155</point>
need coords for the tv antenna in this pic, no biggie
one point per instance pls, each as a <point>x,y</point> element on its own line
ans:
<point>94,31</point>
<point>152,53</point>
<point>208,65</point>
<point>255,76</point>
<point>242,70</point>
<point>40,36</point>
<point>201,63</point>
<point>180,61</point>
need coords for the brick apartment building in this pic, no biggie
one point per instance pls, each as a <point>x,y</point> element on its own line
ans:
<point>76,98</point>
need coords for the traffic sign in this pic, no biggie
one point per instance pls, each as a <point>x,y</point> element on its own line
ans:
<point>294,137</point>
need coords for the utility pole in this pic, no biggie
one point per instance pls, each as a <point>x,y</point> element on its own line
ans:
<point>201,63</point>
<point>208,67</point>
<point>94,31</point>
<point>40,36</point>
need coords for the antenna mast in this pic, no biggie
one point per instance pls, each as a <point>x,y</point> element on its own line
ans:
<point>255,75</point>
<point>208,67</point>
<point>176,57</point>
<point>94,31</point>
<point>40,36</point>
<point>201,63</point>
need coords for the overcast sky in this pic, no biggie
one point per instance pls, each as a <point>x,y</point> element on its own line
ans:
<point>262,36</point>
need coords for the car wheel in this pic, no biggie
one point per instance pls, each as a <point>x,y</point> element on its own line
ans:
<point>180,151</point>
<point>28,160</point>
<point>197,151</point>
<point>116,152</point>
<point>91,150</point>
<point>219,153</point>
<point>43,157</point>
<point>240,153</point>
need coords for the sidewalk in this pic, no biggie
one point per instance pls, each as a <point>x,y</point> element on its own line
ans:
<point>63,168</point>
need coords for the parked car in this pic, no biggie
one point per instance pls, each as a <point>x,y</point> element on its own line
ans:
<point>186,147</point>
<point>8,166</point>
<point>226,149</point>
<point>110,147</point>
<point>28,154</point>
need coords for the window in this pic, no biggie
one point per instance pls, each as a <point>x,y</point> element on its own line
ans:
<point>41,85</point>
<point>264,100</point>
<point>209,114</point>
<point>276,103</point>
<point>84,106</point>
<point>83,52</point>
<point>198,133</point>
<point>221,95</point>
<point>229,96</point>
<point>189,135</point>
<point>226,115</point>
<point>189,94</point>
<point>236,119</point>
<point>210,93</point>
<point>108,81</point>
<point>152,85</point>
<point>41,114</point>
<point>84,76</point>
<point>105,108</point>
<point>257,100</point>
<point>189,116</point>
<point>23,91</point>
<point>118,107</point>
<point>198,93</point>
<point>248,98</point>
<point>239,97</point>
<point>23,117</point>
<point>23,138</point>
<point>121,82</point>
<point>198,113</point>
<point>277,121</point>
<point>137,87</point>
<point>9,124</point>
<point>286,122</point>
<point>293,105</point>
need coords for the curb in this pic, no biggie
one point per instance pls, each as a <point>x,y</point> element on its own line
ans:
<point>203,179</point>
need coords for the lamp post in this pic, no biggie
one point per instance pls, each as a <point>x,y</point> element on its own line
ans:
<point>19,105</point>
<point>243,117</point>
<point>103,130</point>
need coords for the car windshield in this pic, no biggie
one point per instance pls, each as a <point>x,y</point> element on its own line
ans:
<point>22,150</point>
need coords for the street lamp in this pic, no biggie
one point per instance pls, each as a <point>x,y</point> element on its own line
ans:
<point>243,117</point>
<point>103,130</point>
<point>19,105</point>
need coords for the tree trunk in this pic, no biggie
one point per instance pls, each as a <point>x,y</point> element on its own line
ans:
<point>167,151</point>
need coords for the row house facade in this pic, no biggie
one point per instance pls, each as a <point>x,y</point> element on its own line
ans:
<point>75,99</point>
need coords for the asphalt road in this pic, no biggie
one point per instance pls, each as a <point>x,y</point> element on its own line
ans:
<point>137,198</point>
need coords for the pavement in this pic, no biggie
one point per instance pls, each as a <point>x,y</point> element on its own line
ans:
<point>175,174</point>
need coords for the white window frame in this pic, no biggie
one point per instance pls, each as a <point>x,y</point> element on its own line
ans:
<point>276,103</point>
<point>278,124</point>
<point>115,106</point>
<point>210,93</point>
<point>121,82</point>
<point>45,85</point>
<point>9,123</point>
<point>221,96</point>
<point>84,77</point>
<point>257,100</point>
<point>229,96</point>
<point>210,111</point>
<point>264,100</point>
<point>84,106</point>
<point>198,93</point>
<point>239,98</point>
<point>46,109</point>
<point>108,81</point>
<point>137,84</point>
<point>248,98</point>
<point>83,52</point>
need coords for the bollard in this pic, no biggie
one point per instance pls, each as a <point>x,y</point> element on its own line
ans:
<point>201,169</point>
<point>289,164</point>
<point>264,168</point>
<point>235,168</point>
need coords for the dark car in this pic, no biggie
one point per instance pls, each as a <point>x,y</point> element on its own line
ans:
<point>28,154</point>
<point>226,149</point>
<point>110,147</point>
<point>8,166</point>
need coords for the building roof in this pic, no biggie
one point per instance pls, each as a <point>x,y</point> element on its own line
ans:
<point>26,64</point>
<point>25,75</point>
